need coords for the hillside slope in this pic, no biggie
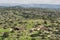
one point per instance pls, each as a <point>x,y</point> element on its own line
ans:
<point>29,24</point>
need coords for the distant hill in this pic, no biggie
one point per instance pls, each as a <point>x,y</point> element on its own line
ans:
<point>40,6</point>
<point>30,5</point>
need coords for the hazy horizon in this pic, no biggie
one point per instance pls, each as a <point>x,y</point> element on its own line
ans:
<point>30,1</point>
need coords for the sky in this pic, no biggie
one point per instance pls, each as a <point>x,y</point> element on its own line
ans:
<point>31,1</point>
